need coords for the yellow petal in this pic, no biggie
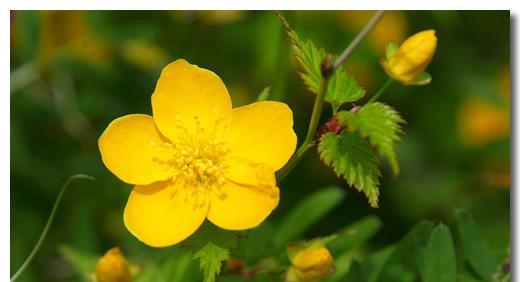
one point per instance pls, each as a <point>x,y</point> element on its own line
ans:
<point>312,263</point>
<point>133,149</point>
<point>163,214</point>
<point>113,267</point>
<point>262,132</point>
<point>187,95</point>
<point>247,197</point>
<point>413,56</point>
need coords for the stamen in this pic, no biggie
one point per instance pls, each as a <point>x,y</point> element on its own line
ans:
<point>198,159</point>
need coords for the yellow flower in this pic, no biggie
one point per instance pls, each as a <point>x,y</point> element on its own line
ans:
<point>197,157</point>
<point>412,57</point>
<point>481,122</point>
<point>311,264</point>
<point>113,267</point>
<point>69,33</point>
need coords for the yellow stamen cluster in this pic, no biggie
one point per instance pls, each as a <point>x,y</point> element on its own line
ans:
<point>199,157</point>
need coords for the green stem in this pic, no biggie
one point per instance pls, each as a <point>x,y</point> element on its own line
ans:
<point>48,224</point>
<point>311,132</point>
<point>381,91</point>
<point>320,98</point>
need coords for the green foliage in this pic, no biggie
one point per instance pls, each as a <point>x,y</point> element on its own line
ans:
<point>439,262</point>
<point>423,78</point>
<point>477,251</point>
<point>211,245</point>
<point>264,95</point>
<point>306,213</point>
<point>211,257</point>
<point>354,235</point>
<point>380,124</point>
<point>342,87</point>
<point>83,263</point>
<point>402,266</point>
<point>352,158</point>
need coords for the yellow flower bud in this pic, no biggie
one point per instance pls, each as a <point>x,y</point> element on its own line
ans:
<point>412,57</point>
<point>113,267</point>
<point>312,263</point>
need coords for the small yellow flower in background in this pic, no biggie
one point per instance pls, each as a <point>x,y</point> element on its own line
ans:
<point>197,157</point>
<point>143,53</point>
<point>408,63</point>
<point>69,33</point>
<point>481,122</point>
<point>113,267</point>
<point>310,264</point>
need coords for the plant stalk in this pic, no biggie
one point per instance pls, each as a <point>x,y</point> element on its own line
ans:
<point>320,98</point>
<point>381,91</point>
<point>48,224</point>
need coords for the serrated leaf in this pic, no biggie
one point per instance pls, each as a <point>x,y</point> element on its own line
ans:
<point>309,57</point>
<point>381,124</point>
<point>211,246</point>
<point>477,251</point>
<point>306,213</point>
<point>352,158</point>
<point>343,88</point>
<point>211,257</point>
<point>439,262</point>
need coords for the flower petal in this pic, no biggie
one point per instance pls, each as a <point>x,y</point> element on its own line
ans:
<point>246,198</point>
<point>163,214</point>
<point>262,132</point>
<point>133,149</point>
<point>188,94</point>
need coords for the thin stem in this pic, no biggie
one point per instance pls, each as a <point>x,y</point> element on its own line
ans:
<point>320,98</point>
<point>311,132</point>
<point>359,37</point>
<point>381,90</point>
<point>48,224</point>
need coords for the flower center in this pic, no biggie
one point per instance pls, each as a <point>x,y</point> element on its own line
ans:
<point>199,157</point>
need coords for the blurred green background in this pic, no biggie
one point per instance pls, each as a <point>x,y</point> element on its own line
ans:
<point>72,72</point>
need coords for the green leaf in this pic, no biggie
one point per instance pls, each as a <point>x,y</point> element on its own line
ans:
<point>402,266</point>
<point>210,233</point>
<point>439,262</point>
<point>355,273</point>
<point>309,57</point>
<point>477,251</point>
<point>381,124</point>
<point>343,88</point>
<point>82,262</point>
<point>391,48</point>
<point>423,78</point>
<point>211,245</point>
<point>354,235</point>
<point>264,95</point>
<point>306,213</point>
<point>211,257</point>
<point>352,158</point>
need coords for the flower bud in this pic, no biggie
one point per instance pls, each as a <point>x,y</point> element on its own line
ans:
<point>113,267</point>
<point>312,263</point>
<point>413,56</point>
